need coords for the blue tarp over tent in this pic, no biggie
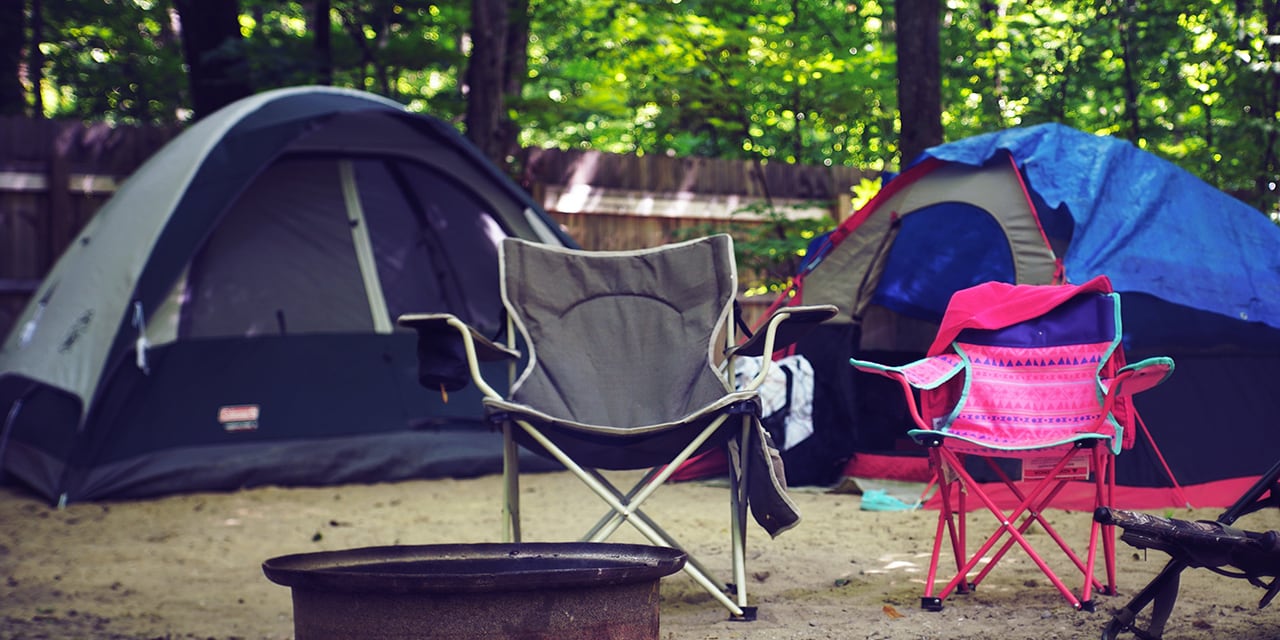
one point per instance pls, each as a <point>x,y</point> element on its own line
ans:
<point>1139,220</point>
<point>1202,269</point>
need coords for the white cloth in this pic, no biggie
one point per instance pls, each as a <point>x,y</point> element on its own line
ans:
<point>773,393</point>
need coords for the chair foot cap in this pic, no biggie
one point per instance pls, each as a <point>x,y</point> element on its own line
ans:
<point>1117,626</point>
<point>931,604</point>
<point>748,615</point>
<point>1087,605</point>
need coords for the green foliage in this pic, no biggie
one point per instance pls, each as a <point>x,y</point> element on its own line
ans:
<point>1186,81</point>
<point>407,51</point>
<point>113,60</point>
<point>770,246</point>
<point>802,81</point>
<point>805,81</point>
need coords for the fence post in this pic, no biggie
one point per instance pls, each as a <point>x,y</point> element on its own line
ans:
<point>60,216</point>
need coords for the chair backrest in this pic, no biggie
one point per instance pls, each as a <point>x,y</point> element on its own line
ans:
<point>620,338</point>
<point>1038,380</point>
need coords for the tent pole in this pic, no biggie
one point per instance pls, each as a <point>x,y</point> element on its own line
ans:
<point>364,248</point>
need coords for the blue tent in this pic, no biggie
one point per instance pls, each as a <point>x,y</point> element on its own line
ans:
<point>1198,272</point>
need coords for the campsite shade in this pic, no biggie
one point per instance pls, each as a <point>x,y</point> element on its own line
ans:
<point>226,318</point>
<point>1198,272</point>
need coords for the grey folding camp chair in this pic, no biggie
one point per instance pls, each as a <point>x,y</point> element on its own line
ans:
<point>629,363</point>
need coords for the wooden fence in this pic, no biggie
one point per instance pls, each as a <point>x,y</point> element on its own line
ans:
<point>54,175</point>
<point>625,201</point>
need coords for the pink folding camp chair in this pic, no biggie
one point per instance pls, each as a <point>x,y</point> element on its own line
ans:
<point>1035,374</point>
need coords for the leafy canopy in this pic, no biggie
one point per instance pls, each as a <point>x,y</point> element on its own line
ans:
<point>804,81</point>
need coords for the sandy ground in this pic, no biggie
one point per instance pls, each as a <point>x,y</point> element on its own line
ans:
<point>189,566</point>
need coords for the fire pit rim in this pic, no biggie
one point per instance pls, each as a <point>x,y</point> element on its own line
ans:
<point>589,564</point>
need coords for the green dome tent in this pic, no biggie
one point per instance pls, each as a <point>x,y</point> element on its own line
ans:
<point>227,318</point>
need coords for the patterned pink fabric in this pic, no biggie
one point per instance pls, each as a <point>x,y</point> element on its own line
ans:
<point>926,373</point>
<point>996,305</point>
<point>1021,398</point>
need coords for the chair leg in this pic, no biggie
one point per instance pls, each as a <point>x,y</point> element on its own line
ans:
<point>611,521</point>
<point>510,486</point>
<point>627,512</point>
<point>962,525</point>
<point>928,601</point>
<point>1006,527</point>
<point>1109,531</point>
<point>1036,505</point>
<point>738,483</point>
<point>947,526</point>
<point>1032,517</point>
<point>1161,593</point>
<point>1103,478</point>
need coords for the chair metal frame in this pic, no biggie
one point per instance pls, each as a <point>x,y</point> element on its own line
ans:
<point>1161,594</point>
<point>782,328</point>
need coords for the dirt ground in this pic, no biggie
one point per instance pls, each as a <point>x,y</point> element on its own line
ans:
<point>189,566</point>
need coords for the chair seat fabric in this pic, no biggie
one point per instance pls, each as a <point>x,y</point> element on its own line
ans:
<point>1021,400</point>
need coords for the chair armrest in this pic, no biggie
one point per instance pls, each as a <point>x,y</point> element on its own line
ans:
<point>446,345</point>
<point>443,323</point>
<point>784,328</point>
<point>1140,376</point>
<point>926,373</point>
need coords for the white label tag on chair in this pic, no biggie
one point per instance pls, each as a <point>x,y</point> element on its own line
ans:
<point>1034,469</point>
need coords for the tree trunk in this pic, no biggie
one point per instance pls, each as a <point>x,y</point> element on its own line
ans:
<point>1066,72</point>
<point>13,101</point>
<point>35,60</point>
<point>321,27</point>
<point>514,72</point>
<point>993,105</point>
<point>486,79</point>
<point>218,72</point>
<point>919,76</point>
<point>351,22</point>
<point>1130,74</point>
<point>797,110</point>
<point>1270,169</point>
